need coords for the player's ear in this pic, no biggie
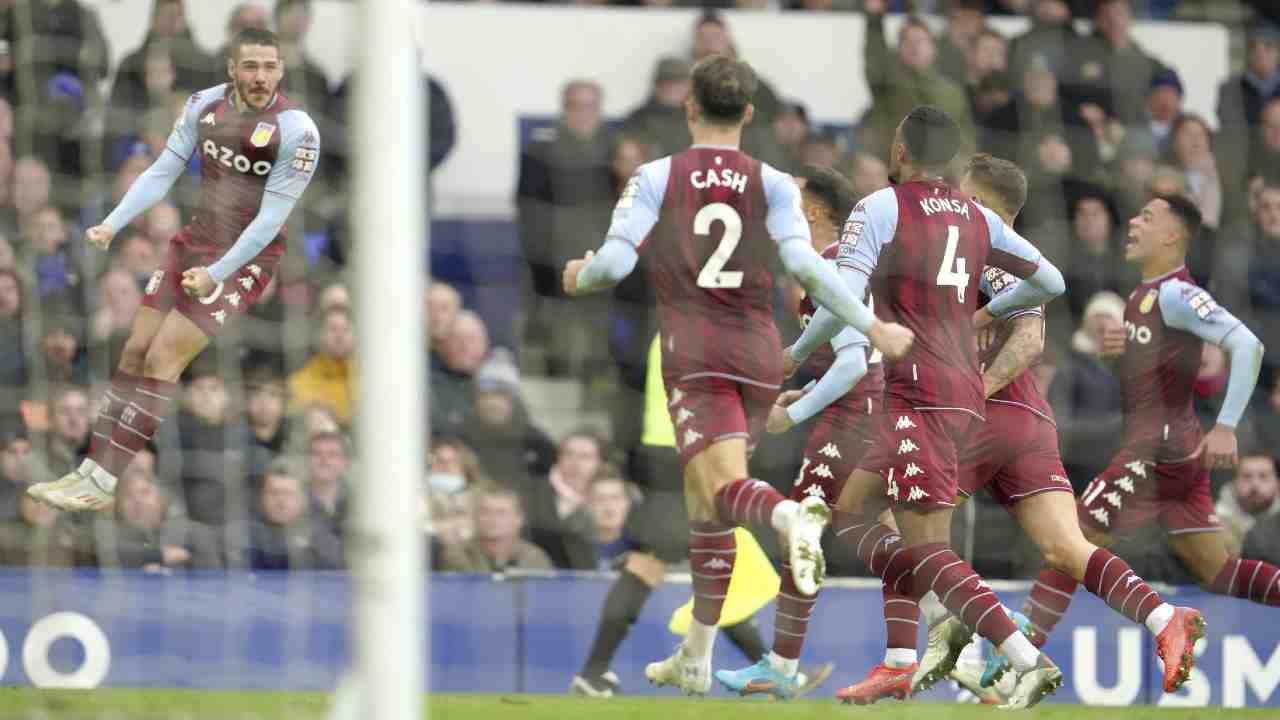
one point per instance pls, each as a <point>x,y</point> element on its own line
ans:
<point>231,68</point>
<point>748,114</point>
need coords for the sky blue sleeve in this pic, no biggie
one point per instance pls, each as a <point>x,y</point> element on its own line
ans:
<point>1191,308</point>
<point>785,219</point>
<point>182,141</point>
<point>1012,253</point>
<point>849,367</point>
<point>297,157</point>
<point>150,188</point>
<point>265,226</point>
<point>869,228</point>
<point>615,260</point>
<point>996,282</point>
<point>640,204</point>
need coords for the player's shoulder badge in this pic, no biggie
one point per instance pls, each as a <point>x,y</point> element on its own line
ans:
<point>629,193</point>
<point>1149,301</point>
<point>262,134</point>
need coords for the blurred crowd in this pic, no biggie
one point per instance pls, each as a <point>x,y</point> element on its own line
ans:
<point>256,468</point>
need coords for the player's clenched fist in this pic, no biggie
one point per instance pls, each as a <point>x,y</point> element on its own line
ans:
<point>779,420</point>
<point>1113,342</point>
<point>198,282</point>
<point>789,363</point>
<point>571,270</point>
<point>100,236</point>
<point>892,339</point>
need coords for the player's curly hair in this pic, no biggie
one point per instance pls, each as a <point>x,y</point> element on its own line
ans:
<point>1003,178</point>
<point>931,135</point>
<point>723,88</point>
<point>832,189</point>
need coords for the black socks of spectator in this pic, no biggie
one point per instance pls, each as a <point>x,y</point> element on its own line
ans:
<point>621,608</point>
<point>746,637</point>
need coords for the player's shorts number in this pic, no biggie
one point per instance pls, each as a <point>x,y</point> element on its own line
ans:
<point>957,278</point>
<point>712,275</point>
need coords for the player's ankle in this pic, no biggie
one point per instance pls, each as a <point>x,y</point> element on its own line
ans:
<point>784,515</point>
<point>784,666</point>
<point>1159,618</point>
<point>900,657</point>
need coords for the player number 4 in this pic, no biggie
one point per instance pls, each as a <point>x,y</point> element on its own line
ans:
<point>713,275</point>
<point>958,277</point>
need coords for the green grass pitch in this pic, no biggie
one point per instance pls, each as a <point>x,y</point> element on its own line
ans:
<point>195,705</point>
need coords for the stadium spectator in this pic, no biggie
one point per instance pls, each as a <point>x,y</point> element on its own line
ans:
<point>145,535</point>
<point>1134,165</point>
<point>1242,97</point>
<point>243,16</point>
<point>138,257</point>
<point>1191,142</point>
<point>1252,496</point>
<point>559,514</point>
<point>35,538</point>
<point>32,192</point>
<point>564,197</point>
<point>1091,262</point>
<point>791,130</point>
<point>118,299</point>
<point>267,425</point>
<point>820,149</point>
<point>328,462</point>
<point>497,545</point>
<point>660,121</point>
<point>1112,69</point>
<point>609,500</point>
<point>1248,275</point>
<point>15,448</point>
<point>286,537</point>
<point>1050,40</point>
<point>901,81</point>
<point>868,173</point>
<point>57,264</point>
<point>516,452</point>
<point>1163,108</point>
<point>327,377</point>
<point>988,58</point>
<point>61,345</point>
<point>8,258</point>
<point>318,418</point>
<point>202,451</point>
<point>13,359</point>
<point>304,81</point>
<point>455,475</point>
<point>460,354</point>
<point>965,22</point>
<point>1263,541</point>
<point>168,36</point>
<point>1085,396</point>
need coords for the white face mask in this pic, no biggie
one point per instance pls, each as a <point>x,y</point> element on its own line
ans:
<point>446,483</point>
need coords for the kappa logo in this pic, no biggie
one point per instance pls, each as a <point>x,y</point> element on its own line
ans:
<point>1114,498</point>
<point>823,471</point>
<point>917,493</point>
<point>683,415</point>
<point>676,396</point>
<point>220,316</point>
<point>691,436</point>
<point>830,450</point>
<point>907,446</point>
<point>153,285</point>
<point>891,488</point>
<point>1126,484</point>
<point>246,283</point>
<point>912,470</point>
<point>233,299</point>
<point>904,423</point>
<point>1059,479</point>
<point>1133,580</point>
<point>1102,516</point>
<point>1137,468</point>
<point>255,271</point>
<point>716,563</point>
<point>815,491</point>
<point>208,119</point>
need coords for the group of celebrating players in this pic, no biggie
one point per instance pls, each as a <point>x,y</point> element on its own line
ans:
<point>922,317</point>
<point>921,305</point>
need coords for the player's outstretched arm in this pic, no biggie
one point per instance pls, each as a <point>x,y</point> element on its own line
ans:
<point>597,271</point>
<point>849,367</point>
<point>150,188</point>
<point>1191,308</point>
<point>1012,253</point>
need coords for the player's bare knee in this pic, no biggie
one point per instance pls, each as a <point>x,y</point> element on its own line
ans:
<point>161,363</point>
<point>1058,554</point>
<point>133,357</point>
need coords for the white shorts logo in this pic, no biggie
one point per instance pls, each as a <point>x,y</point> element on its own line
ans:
<point>153,285</point>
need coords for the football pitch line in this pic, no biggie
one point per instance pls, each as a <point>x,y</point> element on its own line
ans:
<point>198,705</point>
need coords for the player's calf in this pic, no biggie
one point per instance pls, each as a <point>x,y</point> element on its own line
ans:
<point>1249,580</point>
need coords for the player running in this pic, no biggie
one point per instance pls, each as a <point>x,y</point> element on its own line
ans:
<point>1162,471</point>
<point>258,151</point>
<point>922,246</point>
<point>1015,455</point>
<point>847,398</point>
<point>711,219</point>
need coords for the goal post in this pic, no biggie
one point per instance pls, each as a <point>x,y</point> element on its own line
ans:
<point>389,218</point>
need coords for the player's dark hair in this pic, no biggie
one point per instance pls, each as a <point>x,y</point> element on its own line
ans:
<point>1004,179</point>
<point>830,188</point>
<point>253,36</point>
<point>282,5</point>
<point>1187,213</point>
<point>931,135</point>
<point>723,88</point>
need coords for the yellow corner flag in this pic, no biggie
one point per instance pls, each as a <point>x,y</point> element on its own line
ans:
<point>753,585</point>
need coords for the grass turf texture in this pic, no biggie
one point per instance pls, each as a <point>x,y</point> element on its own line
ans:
<point>196,705</point>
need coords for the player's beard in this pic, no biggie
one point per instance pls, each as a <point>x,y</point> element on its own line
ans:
<point>244,90</point>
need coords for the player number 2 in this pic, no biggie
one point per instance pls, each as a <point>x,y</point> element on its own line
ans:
<point>958,277</point>
<point>712,275</point>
